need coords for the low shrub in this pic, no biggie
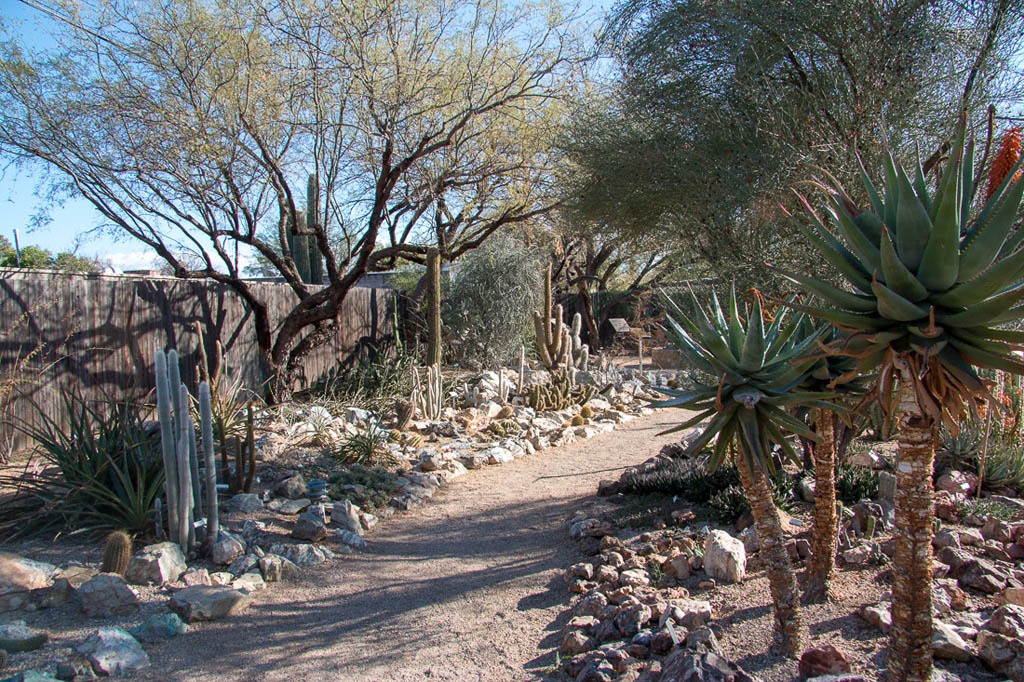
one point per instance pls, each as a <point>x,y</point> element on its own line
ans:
<point>368,487</point>
<point>986,508</point>
<point>688,479</point>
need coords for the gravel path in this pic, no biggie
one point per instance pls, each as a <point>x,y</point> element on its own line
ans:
<point>468,587</point>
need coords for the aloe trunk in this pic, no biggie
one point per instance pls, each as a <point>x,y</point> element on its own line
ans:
<point>823,533</point>
<point>789,631</point>
<point>910,642</point>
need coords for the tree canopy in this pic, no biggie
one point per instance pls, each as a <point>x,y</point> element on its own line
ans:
<point>716,108</point>
<point>194,126</point>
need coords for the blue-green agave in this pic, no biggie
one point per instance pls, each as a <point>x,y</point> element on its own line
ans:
<point>752,377</point>
<point>929,283</point>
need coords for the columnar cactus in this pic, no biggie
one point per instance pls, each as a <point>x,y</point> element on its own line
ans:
<point>117,550</point>
<point>180,452</point>
<point>301,235</point>
<point>557,344</point>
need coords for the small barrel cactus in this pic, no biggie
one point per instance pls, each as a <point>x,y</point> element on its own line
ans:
<point>577,420</point>
<point>587,412</point>
<point>117,550</point>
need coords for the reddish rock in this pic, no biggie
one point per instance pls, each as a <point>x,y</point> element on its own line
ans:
<point>824,660</point>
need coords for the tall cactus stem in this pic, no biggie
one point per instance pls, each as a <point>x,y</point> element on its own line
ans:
<point>210,462</point>
<point>167,441</point>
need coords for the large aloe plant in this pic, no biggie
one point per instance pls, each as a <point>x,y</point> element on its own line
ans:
<point>929,282</point>
<point>750,377</point>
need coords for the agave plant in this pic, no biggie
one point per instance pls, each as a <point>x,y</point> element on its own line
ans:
<point>753,373</point>
<point>930,282</point>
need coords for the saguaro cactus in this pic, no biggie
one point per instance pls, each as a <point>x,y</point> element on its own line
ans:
<point>433,307</point>
<point>301,234</point>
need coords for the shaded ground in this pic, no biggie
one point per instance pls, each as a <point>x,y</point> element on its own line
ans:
<point>462,589</point>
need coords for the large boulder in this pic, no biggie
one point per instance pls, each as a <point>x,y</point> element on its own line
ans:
<point>16,636</point>
<point>824,660</point>
<point>947,643</point>
<point>112,651</point>
<point>244,503</point>
<point>158,628</point>
<point>725,558</point>
<point>106,595</point>
<point>276,568</point>
<point>21,580</point>
<point>156,564</point>
<point>1003,654</point>
<point>1008,620</point>
<point>204,602</point>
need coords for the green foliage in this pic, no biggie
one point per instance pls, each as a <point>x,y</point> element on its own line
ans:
<point>102,470</point>
<point>689,479</point>
<point>986,508</point>
<point>370,383</point>
<point>854,484</point>
<point>729,504</point>
<point>960,450</point>
<point>368,487</point>
<point>930,282</point>
<point>36,258</point>
<point>560,394</point>
<point>367,447</point>
<point>751,376</point>
<point>1004,466</point>
<point>487,309</point>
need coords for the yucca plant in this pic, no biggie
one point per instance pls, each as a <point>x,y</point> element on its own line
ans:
<point>930,282</point>
<point>752,374</point>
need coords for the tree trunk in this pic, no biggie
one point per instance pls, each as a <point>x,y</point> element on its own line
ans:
<point>910,642</point>
<point>588,315</point>
<point>789,632</point>
<point>823,534</point>
<point>434,307</point>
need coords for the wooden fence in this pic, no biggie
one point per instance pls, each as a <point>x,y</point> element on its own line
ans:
<point>98,334</point>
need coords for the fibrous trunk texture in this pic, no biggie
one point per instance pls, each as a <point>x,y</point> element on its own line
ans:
<point>789,632</point>
<point>823,534</point>
<point>910,641</point>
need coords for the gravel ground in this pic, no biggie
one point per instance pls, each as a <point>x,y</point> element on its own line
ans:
<point>468,587</point>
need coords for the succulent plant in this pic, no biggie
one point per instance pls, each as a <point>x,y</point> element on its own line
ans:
<point>587,412</point>
<point>930,281</point>
<point>577,420</point>
<point>117,551</point>
<point>756,371</point>
<point>560,394</point>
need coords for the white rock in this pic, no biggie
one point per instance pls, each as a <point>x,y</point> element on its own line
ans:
<point>156,564</point>
<point>112,651</point>
<point>106,595</point>
<point>724,557</point>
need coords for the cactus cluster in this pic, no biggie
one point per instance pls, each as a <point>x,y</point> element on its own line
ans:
<point>301,235</point>
<point>558,345</point>
<point>560,394</point>
<point>245,456</point>
<point>428,397</point>
<point>117,550</point>
<point>181,455</point>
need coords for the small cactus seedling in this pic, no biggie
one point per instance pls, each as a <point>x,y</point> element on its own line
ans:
<point>117,550</point>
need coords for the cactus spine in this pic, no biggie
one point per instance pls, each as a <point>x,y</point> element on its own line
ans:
<point>433,307</point>
<point>428,397</point>
<point>117,550</point>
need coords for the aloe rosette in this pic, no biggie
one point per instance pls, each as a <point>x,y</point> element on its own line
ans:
<point>929,282</point>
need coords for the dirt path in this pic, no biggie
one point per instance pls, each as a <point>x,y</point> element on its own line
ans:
<point>465,588</point>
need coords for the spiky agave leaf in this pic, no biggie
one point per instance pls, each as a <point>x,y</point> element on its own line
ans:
<point>940,283</point>
<point>756,378</point>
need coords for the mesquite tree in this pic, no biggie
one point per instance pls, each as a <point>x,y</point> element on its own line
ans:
<point>193,127</point>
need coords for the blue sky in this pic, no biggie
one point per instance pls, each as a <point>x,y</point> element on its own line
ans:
<point>70,221</point>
